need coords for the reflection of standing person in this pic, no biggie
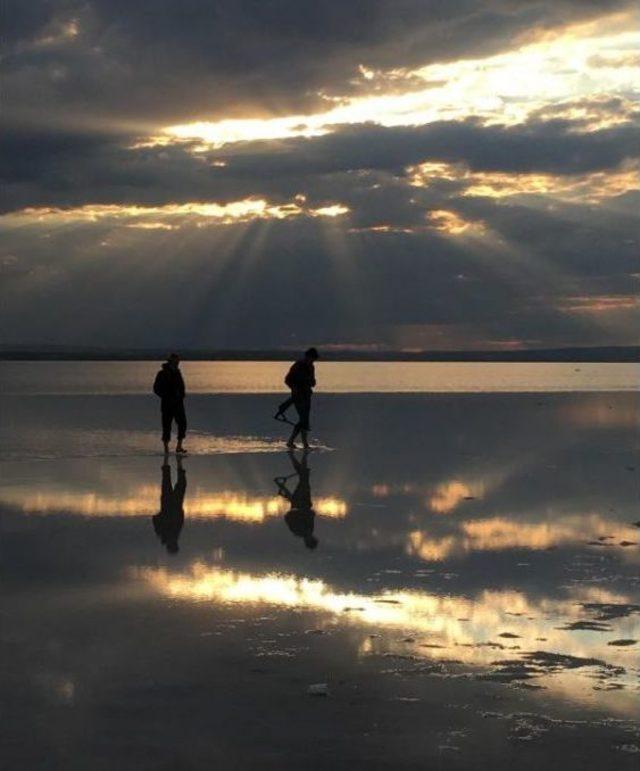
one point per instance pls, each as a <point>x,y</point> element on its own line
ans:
<point>169,386</point>
<point>301,379</point>
<point>169,520</point>
<point>301,517</point>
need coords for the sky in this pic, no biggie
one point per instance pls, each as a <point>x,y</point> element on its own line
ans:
<point>367,175</point>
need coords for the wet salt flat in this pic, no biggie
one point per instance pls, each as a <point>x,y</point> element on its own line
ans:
<point>473,599</point>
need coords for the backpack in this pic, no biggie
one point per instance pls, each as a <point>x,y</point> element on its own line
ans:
<point>290,379</point>
<point>157,385</point>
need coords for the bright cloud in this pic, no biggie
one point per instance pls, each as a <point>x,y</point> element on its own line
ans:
<point>162,217</point>
<point>591,188</point>
<point>505,88</point>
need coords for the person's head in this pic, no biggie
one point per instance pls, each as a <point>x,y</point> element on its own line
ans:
<point>311,542</point>
<point>312,354</point>
<point>173,360</point>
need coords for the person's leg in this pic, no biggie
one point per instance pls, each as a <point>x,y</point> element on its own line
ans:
<point>303,404</point>
<point>181,422</point>
<point>305,410</point>
<point>167,418</point>
<point>181,483</point>
<point>291,442</point>
<point>282,408</point>
<point>167,487</point>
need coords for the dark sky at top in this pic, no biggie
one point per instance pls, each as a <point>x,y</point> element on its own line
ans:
<point>373,173</point>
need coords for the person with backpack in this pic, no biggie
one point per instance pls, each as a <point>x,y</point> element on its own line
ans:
<point>301,379</point>
<point>169,386</point>
<point>300,518</point>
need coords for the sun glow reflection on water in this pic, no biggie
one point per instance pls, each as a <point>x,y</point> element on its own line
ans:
<point>143,502</point>
<point>476,631</point>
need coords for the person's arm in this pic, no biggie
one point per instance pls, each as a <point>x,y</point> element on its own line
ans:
<point>181,388</point>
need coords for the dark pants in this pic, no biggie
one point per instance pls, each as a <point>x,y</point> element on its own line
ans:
<point>173,411</point>
<point>302,402</point>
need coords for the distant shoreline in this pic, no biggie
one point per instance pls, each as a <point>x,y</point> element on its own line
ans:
<point>605,355</point>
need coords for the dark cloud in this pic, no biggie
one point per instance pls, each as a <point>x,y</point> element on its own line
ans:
<point>176,60</point>
<point>245,297</point>
<point>63,169</point>
<point>589,111</point>
<point>241,285</point>
<point>564,239</point>
<point>22,21</point>
<point>535,146</point>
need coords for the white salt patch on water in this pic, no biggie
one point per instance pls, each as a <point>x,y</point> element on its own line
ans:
<point>52,445</point>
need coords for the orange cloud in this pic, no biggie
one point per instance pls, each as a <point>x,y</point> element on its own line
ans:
<point>600,304</point>
<point>170,216</point>
<point>448,495</point>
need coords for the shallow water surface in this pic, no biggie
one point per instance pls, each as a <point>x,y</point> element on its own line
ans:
<point>471,594</point>
<point>211,377</point>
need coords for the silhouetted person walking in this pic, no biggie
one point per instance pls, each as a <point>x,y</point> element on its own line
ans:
<point>301,517</point>
<point>169,386</point>
<point>169,520</point>
<point>301,379</point>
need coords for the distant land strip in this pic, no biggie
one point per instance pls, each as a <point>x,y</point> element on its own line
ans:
<point>619,354</point>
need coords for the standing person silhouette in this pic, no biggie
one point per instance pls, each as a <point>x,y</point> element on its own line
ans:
<point>169,520</point>
<point>301,379</point>
<point>300,518</point>
<point>169,386</point>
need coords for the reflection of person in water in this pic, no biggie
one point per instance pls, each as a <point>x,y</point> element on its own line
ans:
<point>169,520</point>
<point>301,517</point>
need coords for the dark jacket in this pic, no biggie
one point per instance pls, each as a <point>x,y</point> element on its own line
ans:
<point>169,385</point>
<point>301,376</point>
